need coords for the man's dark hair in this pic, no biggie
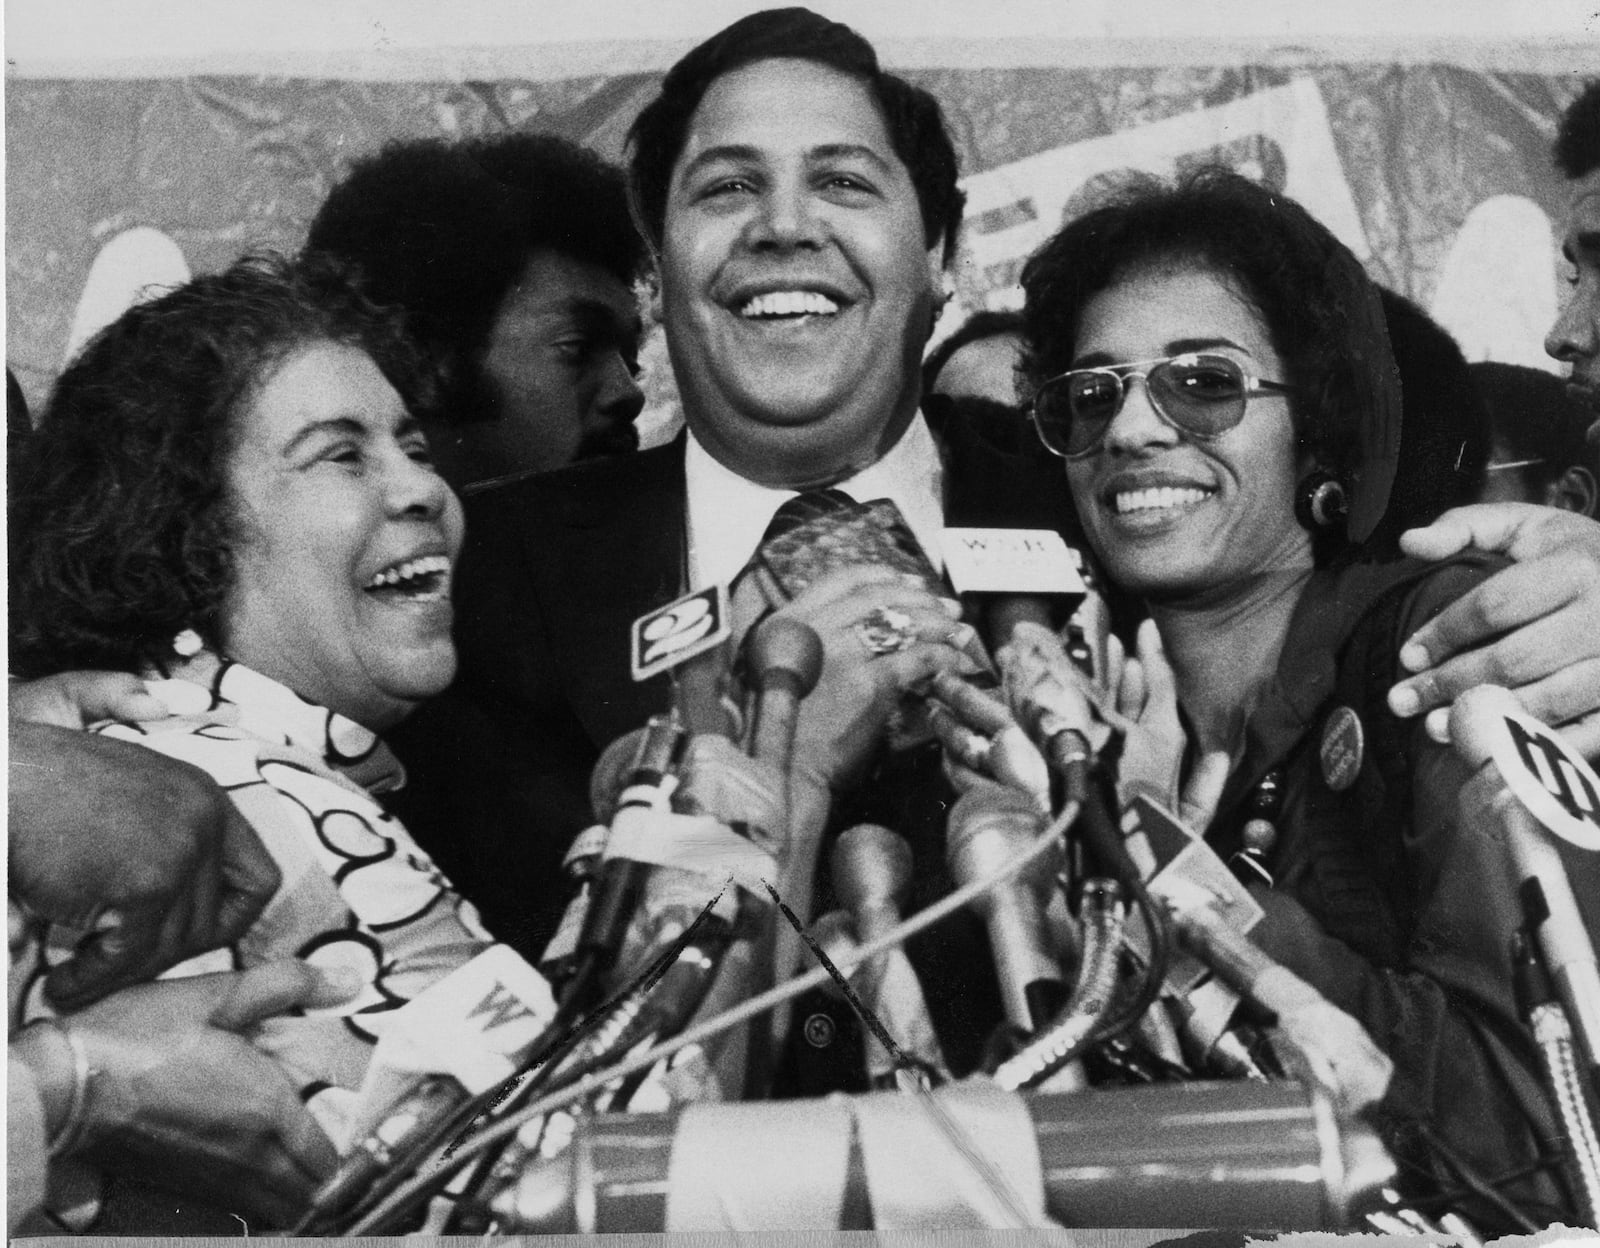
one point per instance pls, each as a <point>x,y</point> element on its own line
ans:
<point>121,530</point>
<point>443,230</point>
<point>1320,311</point>
<point>1533,417</point>
<point>911,115</point>
<point>975,328</point>
<point>1577,147</point>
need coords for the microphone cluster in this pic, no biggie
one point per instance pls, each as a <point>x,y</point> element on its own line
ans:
<point>1119,943</point>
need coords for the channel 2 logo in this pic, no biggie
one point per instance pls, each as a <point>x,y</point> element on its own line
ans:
<point>679,631</point>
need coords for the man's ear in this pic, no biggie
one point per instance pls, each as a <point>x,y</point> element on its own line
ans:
<point>652,290</point>
<point>1574,490</point>
<point>939,277</point>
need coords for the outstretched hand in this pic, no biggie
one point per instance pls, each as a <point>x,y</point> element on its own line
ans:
<point>142,851</point>
<point>1144,693</point>
<point>78,699</point>
<point>1533,627</point>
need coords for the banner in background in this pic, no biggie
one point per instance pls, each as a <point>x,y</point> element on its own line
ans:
<point>1280,137</point>
<point>1395,158</point>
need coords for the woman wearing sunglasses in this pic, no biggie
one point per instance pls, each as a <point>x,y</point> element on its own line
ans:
<point>1211,365</point>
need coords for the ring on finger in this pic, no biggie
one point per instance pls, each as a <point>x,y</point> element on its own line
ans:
<point>886,631</point>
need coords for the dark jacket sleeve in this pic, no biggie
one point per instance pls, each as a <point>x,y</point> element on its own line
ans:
<point>1443,1009</point>
<point>498,765</point>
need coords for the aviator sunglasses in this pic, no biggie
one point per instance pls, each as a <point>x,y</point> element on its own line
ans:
<point>1197,394</point>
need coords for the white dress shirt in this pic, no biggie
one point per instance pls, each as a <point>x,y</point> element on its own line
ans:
<point>728,514</point>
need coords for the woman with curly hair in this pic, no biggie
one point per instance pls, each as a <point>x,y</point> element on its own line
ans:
<point>231,496</point>
<point>1212,366</point>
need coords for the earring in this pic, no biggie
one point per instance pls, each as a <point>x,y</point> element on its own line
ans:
<point>1320,501</point>
<point>187,644</point>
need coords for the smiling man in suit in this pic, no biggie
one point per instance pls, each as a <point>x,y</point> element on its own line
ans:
<point>802,205</point>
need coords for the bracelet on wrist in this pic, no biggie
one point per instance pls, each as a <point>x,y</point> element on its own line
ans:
<point>69,1134</point>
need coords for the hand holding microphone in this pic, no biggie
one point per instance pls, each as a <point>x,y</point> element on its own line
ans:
<point>882,636</point>
<point>1134,703</point>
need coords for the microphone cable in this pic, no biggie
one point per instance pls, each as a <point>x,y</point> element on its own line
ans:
<point>1087,786</point>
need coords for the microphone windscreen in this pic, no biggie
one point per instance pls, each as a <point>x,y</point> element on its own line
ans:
<point>786,650</point>
<point>610,774</point>
<point>871,866</point>
<point>988,826</point>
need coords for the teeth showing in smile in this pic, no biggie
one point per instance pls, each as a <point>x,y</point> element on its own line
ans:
<point>425,578</point>
<point>789,303</point>
<point>1157,498</point>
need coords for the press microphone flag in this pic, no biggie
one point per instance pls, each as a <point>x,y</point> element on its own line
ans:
<point>1549,790</point>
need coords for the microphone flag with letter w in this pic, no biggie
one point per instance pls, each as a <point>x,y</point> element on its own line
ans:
<point>474,1025</point>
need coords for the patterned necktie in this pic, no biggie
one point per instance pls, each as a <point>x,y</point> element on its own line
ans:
<point>805,507</point>
<point>753,595</point>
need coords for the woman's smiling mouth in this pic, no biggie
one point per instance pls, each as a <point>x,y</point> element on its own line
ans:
<point>1158,498</point>
<point>425,578</point>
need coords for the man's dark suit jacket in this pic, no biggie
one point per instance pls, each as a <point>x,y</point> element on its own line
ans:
<point>556,568</point>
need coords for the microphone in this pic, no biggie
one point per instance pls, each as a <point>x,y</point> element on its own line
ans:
<point>1544,788</point>
<point>1338,1050</point>
<point>581,866</point>
<point>988,827</point>
<point>461,1036</point>
<point>1564,1081</point>
<point>835,935</point>
<point>872,877</point>
<point>650,784</point>
<point>613,772</point>
<point>785,659</point>
<point>746,795</point>
<point>1047,694</point>
<point>579,869</point>
<point>1088,625</point>
<point>1045,690</point>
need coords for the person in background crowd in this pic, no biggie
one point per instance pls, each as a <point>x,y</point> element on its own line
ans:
<point>1540,452</point>
<point>1489,635</point>
<point>980,358</point>
<point>231,496</point>
<point>512,259</point>
<point>1444,438</point>
<point>1575,337</point>
<point>973,372</point>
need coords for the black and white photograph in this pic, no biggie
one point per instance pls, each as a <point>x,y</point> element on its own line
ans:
<point>939,622</point>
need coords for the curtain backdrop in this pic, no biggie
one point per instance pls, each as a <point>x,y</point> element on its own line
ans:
<point>1437,175</point>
